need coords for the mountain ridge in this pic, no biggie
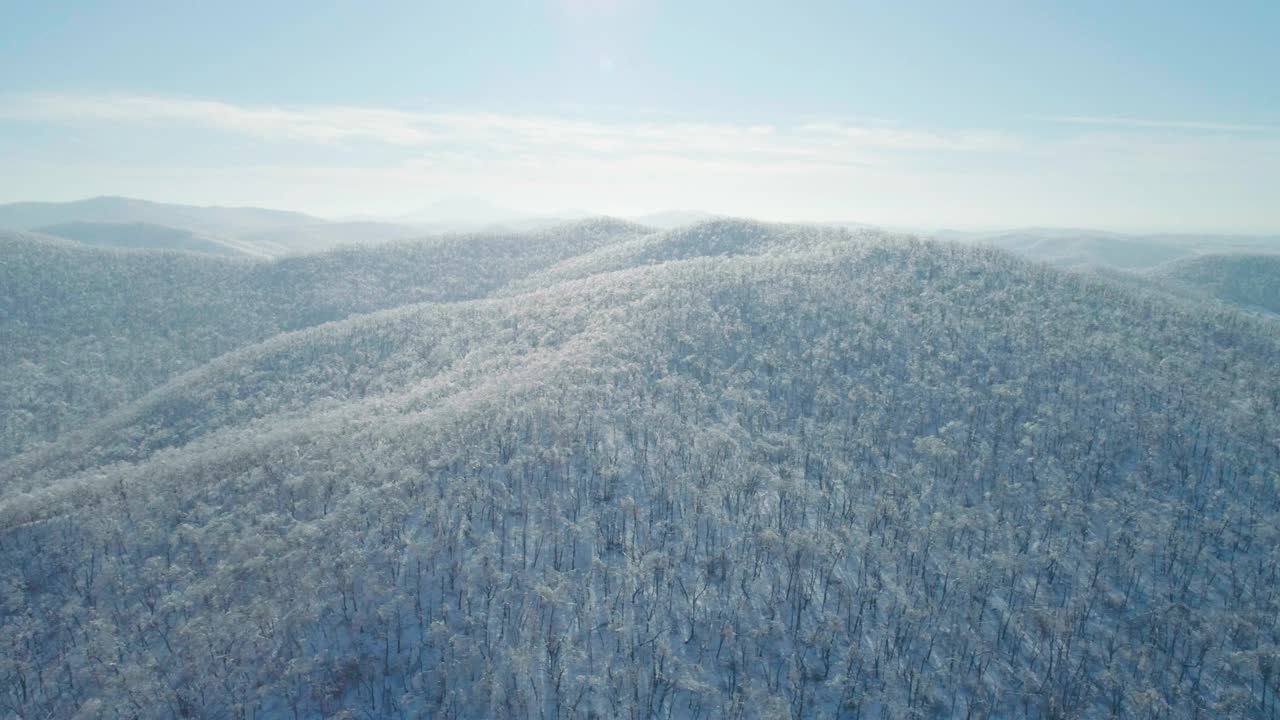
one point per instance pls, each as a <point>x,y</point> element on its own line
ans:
<point>178,308</point>
<point>214,220</point>
<point>1248,281</point>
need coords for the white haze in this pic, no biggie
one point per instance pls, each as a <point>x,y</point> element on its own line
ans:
<point>338,161</point>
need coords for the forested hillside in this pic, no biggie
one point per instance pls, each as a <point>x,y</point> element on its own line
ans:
<point>144,236</point>
<point>1096,249</point>
<point>734,470</point>
<point>1090,249</point>
<point>1249,281</point>
<point>90,328</point>
<point>317,237</point>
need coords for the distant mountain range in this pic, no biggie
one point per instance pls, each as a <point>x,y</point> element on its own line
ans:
<point>264,233</point>
<point>319,236</point>
<point>248,231</point>
<point>142,236</point>
<point>1068,248</point>
<point>221,221</point>
<point>1247,281</point>
<point>260,232</point>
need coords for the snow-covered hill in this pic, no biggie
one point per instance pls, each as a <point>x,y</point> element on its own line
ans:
<point>734,470</point>
<point>1248,281</point>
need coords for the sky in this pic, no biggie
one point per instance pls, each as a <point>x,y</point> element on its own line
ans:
<point>1129,115</point>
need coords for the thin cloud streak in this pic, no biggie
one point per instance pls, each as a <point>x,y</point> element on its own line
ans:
<point>327,125</point>
<point>504,132</point>
<point>1119,122</point>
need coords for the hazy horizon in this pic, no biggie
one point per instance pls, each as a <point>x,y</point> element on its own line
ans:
<point>422,217</point>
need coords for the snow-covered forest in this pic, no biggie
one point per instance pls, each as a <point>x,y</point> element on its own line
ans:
<point>732,470</point>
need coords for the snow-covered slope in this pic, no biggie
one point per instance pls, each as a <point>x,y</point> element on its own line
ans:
<point>89,328</point>
<point>738,470</point>
<point>1248,281</point>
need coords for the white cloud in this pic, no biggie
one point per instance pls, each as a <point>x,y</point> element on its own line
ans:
<point>1149,124</point>
<point>320,125</point>
<point>488,130</point>
<point>891,138</point>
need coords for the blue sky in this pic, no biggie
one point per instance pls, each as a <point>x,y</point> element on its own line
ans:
<point>1127,115</point>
